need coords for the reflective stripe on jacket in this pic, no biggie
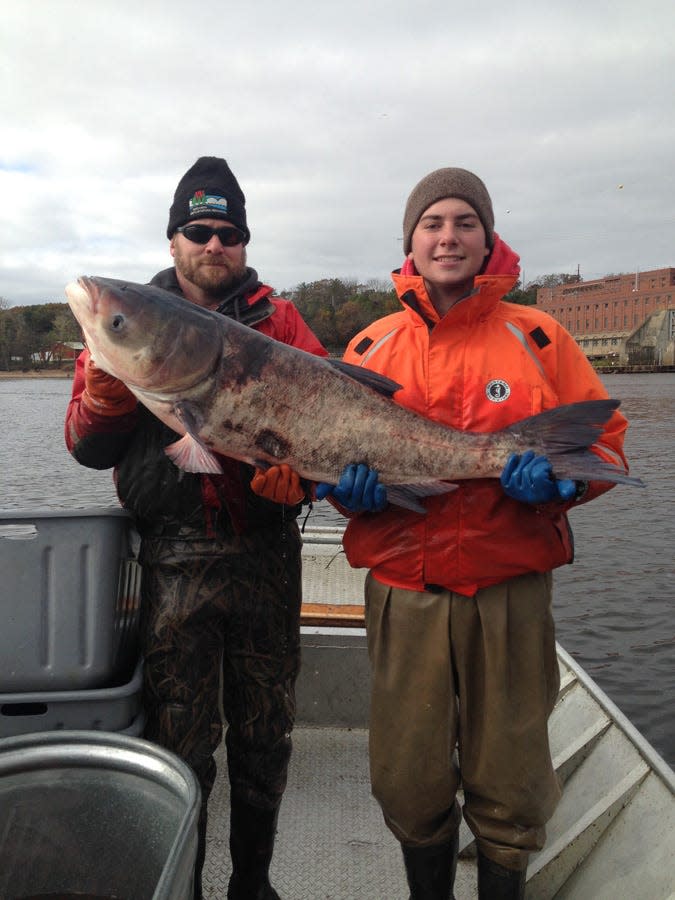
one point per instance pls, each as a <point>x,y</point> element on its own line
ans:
<point>486,364</point>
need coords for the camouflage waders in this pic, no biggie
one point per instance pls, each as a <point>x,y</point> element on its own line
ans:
<point>230,605</point>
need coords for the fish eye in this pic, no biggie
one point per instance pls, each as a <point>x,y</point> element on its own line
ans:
<point>117,322</point>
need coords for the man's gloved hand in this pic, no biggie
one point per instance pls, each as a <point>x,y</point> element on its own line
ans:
<point>104,394</point>
<point>280,484</point>
<point>358,490</point>
<point>529,478</point>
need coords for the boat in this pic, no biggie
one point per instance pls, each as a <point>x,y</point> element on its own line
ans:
<point>610,837</point>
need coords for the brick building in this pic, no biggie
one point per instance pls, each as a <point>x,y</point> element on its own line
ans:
<point>604,314</point>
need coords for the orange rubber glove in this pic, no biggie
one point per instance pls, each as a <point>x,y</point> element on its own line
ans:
<point>279,483</point>
<point>104,394</point>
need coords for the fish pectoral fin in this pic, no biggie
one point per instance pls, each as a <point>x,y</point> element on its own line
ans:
<point>190,456</point>
<point>409,495</point>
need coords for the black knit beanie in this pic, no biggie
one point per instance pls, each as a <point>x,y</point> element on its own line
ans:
<point>444,183</point>
<point>208,190</point>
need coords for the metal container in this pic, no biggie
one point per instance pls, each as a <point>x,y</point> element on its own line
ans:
<point>69,599</point>
<point>95,814</point>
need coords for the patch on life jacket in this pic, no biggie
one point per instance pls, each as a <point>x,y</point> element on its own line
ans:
<point>540,337</point>
<point>363,345</point>
<point>497,390</point>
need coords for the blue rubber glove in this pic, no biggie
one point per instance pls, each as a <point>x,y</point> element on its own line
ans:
<point>529,478</point>
<point>358,490</point>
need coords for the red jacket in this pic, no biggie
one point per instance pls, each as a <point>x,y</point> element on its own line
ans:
<point>486,364</point>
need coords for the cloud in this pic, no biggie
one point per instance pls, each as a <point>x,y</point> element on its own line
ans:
<point>329,116</point>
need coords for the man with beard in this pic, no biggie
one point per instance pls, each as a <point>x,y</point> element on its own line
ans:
<point>220,553</point>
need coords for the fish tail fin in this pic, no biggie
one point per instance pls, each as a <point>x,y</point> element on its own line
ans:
<point>565,434</point>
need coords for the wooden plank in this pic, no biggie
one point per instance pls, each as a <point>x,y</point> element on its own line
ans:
<point>342,615</point>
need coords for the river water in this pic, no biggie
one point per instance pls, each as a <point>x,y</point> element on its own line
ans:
<point>614,606</point>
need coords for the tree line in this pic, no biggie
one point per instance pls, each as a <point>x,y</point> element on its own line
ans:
<point>335,309</point>
<point>30,334</point>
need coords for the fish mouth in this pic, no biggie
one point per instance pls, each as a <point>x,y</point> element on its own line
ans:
<point>81,296</point>
<point>84,295</point>
<point>92,292</point>
<point>96,286</point>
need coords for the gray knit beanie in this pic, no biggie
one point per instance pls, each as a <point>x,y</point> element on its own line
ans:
<point>443,183</point>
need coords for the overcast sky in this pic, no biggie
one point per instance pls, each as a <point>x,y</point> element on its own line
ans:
<point>329,114</point>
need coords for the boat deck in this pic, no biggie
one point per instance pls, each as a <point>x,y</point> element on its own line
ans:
<point>332,843</point>
<point>611,837</point>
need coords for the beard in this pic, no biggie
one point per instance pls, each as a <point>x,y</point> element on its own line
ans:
<point>213,274</point>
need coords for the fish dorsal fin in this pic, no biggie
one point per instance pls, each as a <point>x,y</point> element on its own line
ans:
<point>374,380</point>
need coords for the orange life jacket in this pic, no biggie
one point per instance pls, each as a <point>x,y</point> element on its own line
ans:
<point>486,364</point>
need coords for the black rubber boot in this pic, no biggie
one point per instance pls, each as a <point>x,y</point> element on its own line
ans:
<point>496,882</point>
<point>431,870</point>
<point>252,833</point>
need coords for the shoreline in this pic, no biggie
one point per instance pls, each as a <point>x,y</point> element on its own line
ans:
<point>601,370</point>
<point>53,373</point>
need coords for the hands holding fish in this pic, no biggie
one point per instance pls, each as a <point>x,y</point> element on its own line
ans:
<point>280,484</point>
<point>104,394</point>
<point>529,479</point>
<point>358,490</point>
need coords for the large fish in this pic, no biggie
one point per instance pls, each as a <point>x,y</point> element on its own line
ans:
<point>231,390</point>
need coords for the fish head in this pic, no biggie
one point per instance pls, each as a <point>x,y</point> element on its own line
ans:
<point>149,338</point>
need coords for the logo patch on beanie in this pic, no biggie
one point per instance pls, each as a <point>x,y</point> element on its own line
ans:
<point>202,203</point>
<point>497,390</point>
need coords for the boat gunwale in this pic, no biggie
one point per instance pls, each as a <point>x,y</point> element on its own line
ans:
<point>651,756</point>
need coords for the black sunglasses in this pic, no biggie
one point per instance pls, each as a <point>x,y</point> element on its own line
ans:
<point>202,234</point>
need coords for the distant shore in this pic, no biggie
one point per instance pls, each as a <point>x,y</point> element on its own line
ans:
<point>601,370</point>
<point>47,373</point>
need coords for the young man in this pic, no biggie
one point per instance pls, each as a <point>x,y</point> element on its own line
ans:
<point>221,563</point>
<point>458,601</point>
